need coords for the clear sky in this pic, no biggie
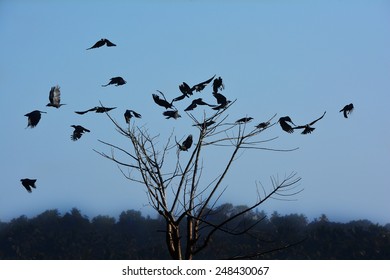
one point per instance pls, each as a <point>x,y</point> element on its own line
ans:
<point>296,58</point>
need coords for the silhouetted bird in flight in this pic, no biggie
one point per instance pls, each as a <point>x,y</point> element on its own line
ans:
<point>101,43</point>
<point>162,102</point>
<point>117,81</point>
<point>262,125</point>
<point>347,110</point>
<point>221,100</point>
<point>172,114</point>
<point>195,103</point>
<point>218,84</point>
<point>78,131</point>
<point>186,144</point>
<point>244,120</point>
<point>55,97</point>
<point>97,109</point>
<point>285,126</point>
<point>33,118</point>
<point>187,90</point>
<point>129,114</point>
<point>307,127</point>
<point>28,184</point>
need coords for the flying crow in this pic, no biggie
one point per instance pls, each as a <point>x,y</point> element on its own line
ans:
<point>307,127</point>
<point>221,100</point>
<point>186,144</point>
<point>285,126</point>
<point>55,97</point>
<point>97,109</point>
<point>195,103</point>
<point>78,132</point>
<point>129,114</point>
<point>347,110</point>
<point>28,184</point>
<point>117,81</point>
<point>218,84</point>
<point>172,114</point>
<point>187,90</point>
<point>162,102</point>
<point>101,43</point>
<point>33,118</point>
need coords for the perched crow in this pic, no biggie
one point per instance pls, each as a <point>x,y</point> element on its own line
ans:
<point>78,131</point>
<point>97,109</point>
<point>101,43</point>
<point>262,125</point>
<point>195,103</point>
<point>218,84</point>
<point>244,120</point>
<point>186,144</point>
<point>55,97</point>
<point>307,127</point>
<point>117,81</point>
<point>285,126</point>
<point>28,184</point>
<point>129,114</point>
<point>347,110</point>
<point>172,114</point>
<point>205,124</point>
<point>33,118</point>
<point>162,102</point>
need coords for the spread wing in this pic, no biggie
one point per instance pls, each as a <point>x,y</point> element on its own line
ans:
<point>98,44</point>
<point>109,43</point>
<point>202,85</point>
<point>313,122</point>
<point>55,95</point>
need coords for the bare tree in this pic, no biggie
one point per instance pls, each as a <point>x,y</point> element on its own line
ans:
<point>175,185</point>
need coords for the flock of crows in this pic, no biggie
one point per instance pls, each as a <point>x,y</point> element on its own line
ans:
<point>170,110</point>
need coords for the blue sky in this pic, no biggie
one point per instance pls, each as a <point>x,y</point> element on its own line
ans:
<point>298,59</point>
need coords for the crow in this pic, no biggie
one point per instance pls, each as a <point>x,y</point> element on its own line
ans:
<point>205,124</point>
<point>78,131</point>
<point>244,120</point>
<point>285,126</point>
<point>347,110</point>
<point>97,109</point>
<point>187,90</point>
<point>172,114</point>
<point>186,144</point>
<point>218,84</point>
<point>221,100</point>
<point>262,125</point>
<point>195,103</point>
<point>129,114</point>
<point>117,81</point>
<point>162,102</point>
<point>33,118</point>
<point>307,127</point>
<point>28,184</point>
<point>101,43</point>
<point>55,97</point>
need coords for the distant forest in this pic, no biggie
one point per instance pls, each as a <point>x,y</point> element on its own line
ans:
<point>51,236</point>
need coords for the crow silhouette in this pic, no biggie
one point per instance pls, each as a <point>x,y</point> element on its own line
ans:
<point>221,100</point>
<point>285,126</point>
<point>205,124</point>
<point>218,84</point>
<point>129,114</point>
<point>117,81</point>
<point>307,127</point>
<point>172,114</point>
<point>162,102</point>
<point>186,144</point>
<point>101,43</point>
<point>262,125</point>
<point>78,132</point>
<point>55,97</point>
<point>28,184</point>
<point>187,90</point>
<point>195,103</point>
<point>347,110</point>
<point>33,118</point>
<point>244,120</point>
<point>97,109</point>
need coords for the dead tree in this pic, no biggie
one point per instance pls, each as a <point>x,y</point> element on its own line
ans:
<point>174,183</point>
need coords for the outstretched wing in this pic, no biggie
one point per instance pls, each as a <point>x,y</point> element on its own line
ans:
<point>202,85</point>
<point>83,112</point>
<point>55,95</point>
<point>98,44</point>
<point>109,43</point>
<point>313,122</point>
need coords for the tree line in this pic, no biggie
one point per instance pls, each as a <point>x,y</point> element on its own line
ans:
<point>53,236</point>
